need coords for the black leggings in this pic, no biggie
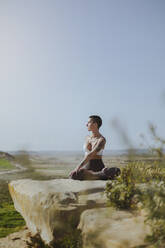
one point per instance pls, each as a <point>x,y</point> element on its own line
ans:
<point>93,165</point>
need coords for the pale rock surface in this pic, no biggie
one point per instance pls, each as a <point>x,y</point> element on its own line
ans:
<point>50,208</point>
<point>109,228</point>
<point>16,240</point>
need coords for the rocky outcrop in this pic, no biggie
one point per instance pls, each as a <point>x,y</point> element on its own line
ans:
<point>52,208</point>
<point>106,227</point>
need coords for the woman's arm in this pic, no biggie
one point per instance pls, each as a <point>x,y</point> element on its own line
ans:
<point>91,154</point>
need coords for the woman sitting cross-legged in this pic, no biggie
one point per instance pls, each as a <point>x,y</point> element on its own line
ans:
<point>92,166</point>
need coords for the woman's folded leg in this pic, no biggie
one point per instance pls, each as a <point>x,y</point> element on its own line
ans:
<point>84,174</point>
<point>104,174</point>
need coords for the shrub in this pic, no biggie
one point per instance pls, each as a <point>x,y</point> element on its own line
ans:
<point>153,199</point>
<point>120,192</point>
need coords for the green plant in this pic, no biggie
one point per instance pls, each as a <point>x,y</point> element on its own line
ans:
<point>121,191</point>
<point>153,199</point>
<point>10,219</point>
<point>70,240</point>
<point>144,182</point>
<point>5,164</point>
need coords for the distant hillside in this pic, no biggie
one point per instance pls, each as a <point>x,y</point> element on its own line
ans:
<point>6,155</point>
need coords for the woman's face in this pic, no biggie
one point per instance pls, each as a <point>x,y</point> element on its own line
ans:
<point>90,124</point>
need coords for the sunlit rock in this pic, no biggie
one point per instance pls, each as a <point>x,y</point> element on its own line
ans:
<point>16,240</point>
<point>109,228</point>
<point>51,208</point>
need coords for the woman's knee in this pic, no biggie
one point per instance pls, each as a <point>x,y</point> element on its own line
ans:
<point>78,175</point>
<point>74,176</point>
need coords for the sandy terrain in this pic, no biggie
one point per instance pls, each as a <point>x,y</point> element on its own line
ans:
<point>59,165</point>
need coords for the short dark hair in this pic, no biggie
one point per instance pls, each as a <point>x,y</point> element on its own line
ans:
<point>96,119</point>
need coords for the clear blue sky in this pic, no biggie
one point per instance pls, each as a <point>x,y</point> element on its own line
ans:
<point>63,60</point>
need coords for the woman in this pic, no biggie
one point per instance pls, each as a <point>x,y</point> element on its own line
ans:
<point>92,166</point>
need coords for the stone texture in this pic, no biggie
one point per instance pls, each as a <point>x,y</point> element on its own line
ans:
<point>16,240</point>
<point>50,208</point>
<point>106,227</point>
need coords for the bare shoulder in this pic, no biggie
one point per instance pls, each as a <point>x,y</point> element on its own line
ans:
<point>101,142</point>
<point>103,139</point>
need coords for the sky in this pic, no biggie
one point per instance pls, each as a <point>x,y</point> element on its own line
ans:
<point>64,60</point>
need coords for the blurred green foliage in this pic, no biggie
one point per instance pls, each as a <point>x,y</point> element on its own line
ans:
<point>23,158</point>
<point>5,164</point>
<point>143,184</point>
<point>71,240</point>
<point>153,200</point>
<point>10,219</point>
<point>121,191</point>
